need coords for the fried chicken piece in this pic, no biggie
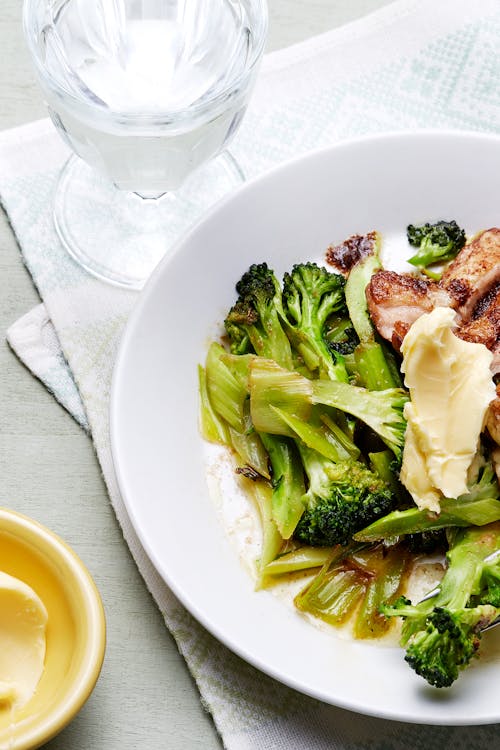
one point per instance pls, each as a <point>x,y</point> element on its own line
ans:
<point>470,284</point>
<point>473,273</point>
<point>344,256</point>
<point>484,325</point>
<point>396,300</point>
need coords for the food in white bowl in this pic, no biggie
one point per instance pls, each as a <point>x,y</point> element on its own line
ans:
<point>364,457</point>
<point>285,217</point>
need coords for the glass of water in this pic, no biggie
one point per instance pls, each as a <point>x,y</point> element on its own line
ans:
<point>147,94</point>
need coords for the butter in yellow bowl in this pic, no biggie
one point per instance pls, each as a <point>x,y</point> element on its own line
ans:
<point>52,633</point>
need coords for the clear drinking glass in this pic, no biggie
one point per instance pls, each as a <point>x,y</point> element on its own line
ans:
<point>147,94</point>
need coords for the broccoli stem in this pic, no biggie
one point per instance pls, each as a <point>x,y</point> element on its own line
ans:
<point>414,521</point>
<point>272,541</point>
<point>334,592</point>
<point>373,369</point>
<point>432,275</point>
<point>226,392</point>
<point>340,433</point>
<point>287,482</point>
<point>355,296</point>
<point>384,586</point>
<point>302,558</point>
<point>251,452</point>
<point>273,386</point>
<point>374,365</point>
<point>327,443</point>
<point>213,428</point>
<point>480,506</point>
<point>381,462</point>
<point>380,410</point>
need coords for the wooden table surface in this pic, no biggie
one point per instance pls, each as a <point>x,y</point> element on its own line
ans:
<point>145,697</point>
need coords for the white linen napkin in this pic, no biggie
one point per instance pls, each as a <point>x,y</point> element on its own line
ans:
<point>414,64</point>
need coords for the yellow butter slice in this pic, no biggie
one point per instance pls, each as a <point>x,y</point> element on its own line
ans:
<point>451,387</point>
<point>23,621</point>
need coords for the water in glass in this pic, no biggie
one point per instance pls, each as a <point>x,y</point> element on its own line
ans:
<point>146,91</point>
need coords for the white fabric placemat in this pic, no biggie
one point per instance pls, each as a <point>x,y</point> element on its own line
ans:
<point>414,64</point>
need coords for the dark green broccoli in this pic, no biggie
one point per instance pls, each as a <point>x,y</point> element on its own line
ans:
<point>311,294</point>
<point>436,243</point>
<point>442,632</point>
<point>426,541</point>
<point>341,498</point>
<point>254,323</point>
<point>340,335</point>
<point>447,643</point>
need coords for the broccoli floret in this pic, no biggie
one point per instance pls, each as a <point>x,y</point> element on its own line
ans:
<point>340,499</point>
<point>253,324</point>
<point>447,644</point>
<point>442,632</point>
<point>310,295</point>
<point>436,243</point>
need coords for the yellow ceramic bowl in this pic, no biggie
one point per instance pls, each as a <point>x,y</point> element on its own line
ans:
<point>75,635</point>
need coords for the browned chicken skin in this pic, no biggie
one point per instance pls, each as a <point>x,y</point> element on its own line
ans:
<point>344,256</point>
<point>484,325</point>
<point>474,272</point>
<point>470,285</point>
<point>396,300</point>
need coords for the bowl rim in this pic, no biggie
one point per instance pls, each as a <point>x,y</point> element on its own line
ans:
<point>52,546</point>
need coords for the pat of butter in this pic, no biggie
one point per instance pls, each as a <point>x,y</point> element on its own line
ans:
<point>23,620</point>
<point>451,387</point>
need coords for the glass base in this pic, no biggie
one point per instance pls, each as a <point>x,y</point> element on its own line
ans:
<point>120,237</point>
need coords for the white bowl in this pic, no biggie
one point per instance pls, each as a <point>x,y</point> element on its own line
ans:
<point>287,216</point>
